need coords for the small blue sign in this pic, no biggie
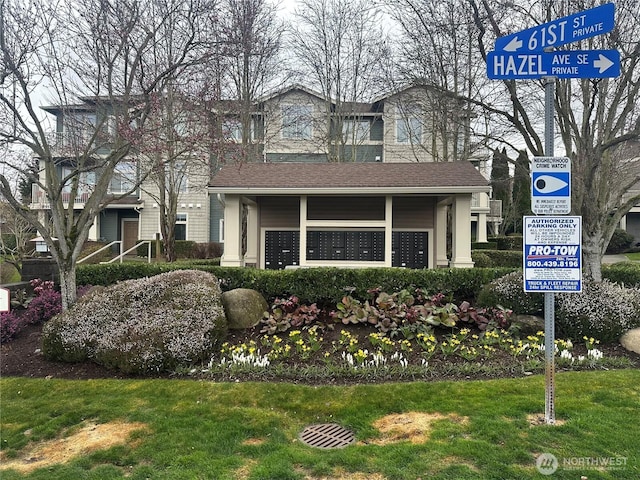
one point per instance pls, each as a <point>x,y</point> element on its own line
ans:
<point>572,28</point>
<point>551,184</point>
<point>560,64</point>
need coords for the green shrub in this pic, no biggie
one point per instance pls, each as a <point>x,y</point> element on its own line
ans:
<point>311,285</point>
<point>508,292</point>
<point>145,325</point>
<point>481,259</point>
<point>603,310</point>
<point>508,242</point>
<point>184,249</point>
<point>484,246</point>
<point>499,258</point>
<point>620,241</point>
<point>626,273</point>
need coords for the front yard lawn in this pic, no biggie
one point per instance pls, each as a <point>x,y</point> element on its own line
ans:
<point>185,429</point>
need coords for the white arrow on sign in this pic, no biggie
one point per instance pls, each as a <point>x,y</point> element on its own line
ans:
<point>513,45</point>
<point>603,63</point>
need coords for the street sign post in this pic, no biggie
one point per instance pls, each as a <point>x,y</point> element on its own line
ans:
<point>585,24</point>
<point>560,64</point>
<point>552,254</point>
<point>551,185</point>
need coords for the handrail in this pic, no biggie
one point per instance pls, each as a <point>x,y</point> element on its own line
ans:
<point>148,242</point>
<point>99,250</point>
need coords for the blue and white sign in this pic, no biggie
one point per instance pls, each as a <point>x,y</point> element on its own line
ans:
<point>560,64</point>
<point>551,185</point>
<point>552,254</point>
<point>572,28</point>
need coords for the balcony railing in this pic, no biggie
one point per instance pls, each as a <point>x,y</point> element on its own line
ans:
<point>40,200</point>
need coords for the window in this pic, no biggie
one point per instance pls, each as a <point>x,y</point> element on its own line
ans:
<point>356,130</point>
<point>409,126</point>
<point>180,174</point>
<point>124,178</point>
<point>180,231</point>
<point>232,130</point>
<point>296,122</point>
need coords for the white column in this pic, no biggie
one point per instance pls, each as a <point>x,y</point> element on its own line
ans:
<point>232,256</point>
<point>461,234</point>
<point>481,230</point>
<point>441,235</point>
<point>94,230</point>
<point>303,231</point>
<point>253,239</point>
<point>623,223</point>
<point>388,230</point>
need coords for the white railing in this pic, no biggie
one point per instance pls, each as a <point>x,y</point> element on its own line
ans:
<point>120,257</point>
<point>40,199</point>
<point>100,250</point>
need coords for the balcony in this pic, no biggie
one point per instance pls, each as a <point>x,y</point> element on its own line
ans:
<point>72,144</point>
<point>40,201</point>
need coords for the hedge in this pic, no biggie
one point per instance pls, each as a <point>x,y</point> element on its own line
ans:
<point>321,285</point>
<point>508,242</point>
<point>497,258</point>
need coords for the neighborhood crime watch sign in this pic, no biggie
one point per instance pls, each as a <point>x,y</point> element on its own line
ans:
<point>552,254</point>
<point>551,185</point>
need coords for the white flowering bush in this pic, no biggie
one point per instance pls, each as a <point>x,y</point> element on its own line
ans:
<point>603,310</point>
<point>145,325</point>
<point>508,292</point>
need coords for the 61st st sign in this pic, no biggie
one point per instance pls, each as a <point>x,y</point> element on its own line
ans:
<point>561,64</point>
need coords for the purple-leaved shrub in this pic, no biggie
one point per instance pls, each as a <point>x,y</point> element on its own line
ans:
<point>10,325</point>
<point>144,325</point>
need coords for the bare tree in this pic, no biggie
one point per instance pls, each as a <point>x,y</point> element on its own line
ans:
<point>340,45</point>
<point>101,51</point>
<point>436,55</point>
<point>596,119</point>
<point>251,34</point>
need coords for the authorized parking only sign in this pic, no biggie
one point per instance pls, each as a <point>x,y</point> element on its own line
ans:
<point>552,254</point>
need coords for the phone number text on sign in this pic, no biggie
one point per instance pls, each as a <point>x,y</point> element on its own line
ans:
<point>552,254</point>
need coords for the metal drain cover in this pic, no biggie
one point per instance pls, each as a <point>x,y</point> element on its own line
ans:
<point>327,435</point>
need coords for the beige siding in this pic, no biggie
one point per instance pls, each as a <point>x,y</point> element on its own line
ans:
<point>414,212</point>
<point>274,141</point>
<point>279,212</point>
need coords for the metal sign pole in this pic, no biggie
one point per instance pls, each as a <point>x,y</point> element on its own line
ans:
<point>549,298</point>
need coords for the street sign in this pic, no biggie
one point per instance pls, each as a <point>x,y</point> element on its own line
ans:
<point>552,254</point>
<point>551,185</point>
<point>572,28</point>
<point>559,64</point>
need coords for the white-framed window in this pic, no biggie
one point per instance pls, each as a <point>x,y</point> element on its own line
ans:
<point>232,129</point>
<point>409,126</point>
<point>296,122</point>
<point>180,231</point>
<point>356,130</point>
<point>181,176</point>
<point>124,178</point>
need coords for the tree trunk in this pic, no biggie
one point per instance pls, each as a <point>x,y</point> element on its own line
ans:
<point>67,283</point>
<point>592,258</point>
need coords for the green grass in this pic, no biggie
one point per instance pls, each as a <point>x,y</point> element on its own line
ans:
<point>634,257</point>
<point>235,431</point>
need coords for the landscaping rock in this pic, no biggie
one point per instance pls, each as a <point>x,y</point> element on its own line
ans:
<point>529,324</point>
<point>631,340</point>
<point>243,307</point>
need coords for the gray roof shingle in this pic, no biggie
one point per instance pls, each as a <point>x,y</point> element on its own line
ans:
<point>293,176</point>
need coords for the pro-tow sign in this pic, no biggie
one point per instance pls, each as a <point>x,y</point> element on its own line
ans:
<point>569,29</point>
<point>551,185</point>
<point>560,64</point>
<point>552,254</point>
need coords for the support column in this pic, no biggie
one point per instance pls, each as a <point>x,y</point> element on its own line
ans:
<point>481,233</point>
<point>461,234</point>
<point>441,235</point>
<point>253,239</point>
<point>232,256</point>
<point>303,231</point>
<point>94,230</point>
<point>388,231</point>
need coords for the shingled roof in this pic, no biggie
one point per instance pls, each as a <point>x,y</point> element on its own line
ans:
<point>299,178</point>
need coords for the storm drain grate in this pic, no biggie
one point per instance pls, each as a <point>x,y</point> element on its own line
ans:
<point>327,435</point>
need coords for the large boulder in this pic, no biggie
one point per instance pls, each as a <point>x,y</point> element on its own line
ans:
<point>243,308</point>
<point>528,324</point>
<point>145,325</point>
<point>631,340</point>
